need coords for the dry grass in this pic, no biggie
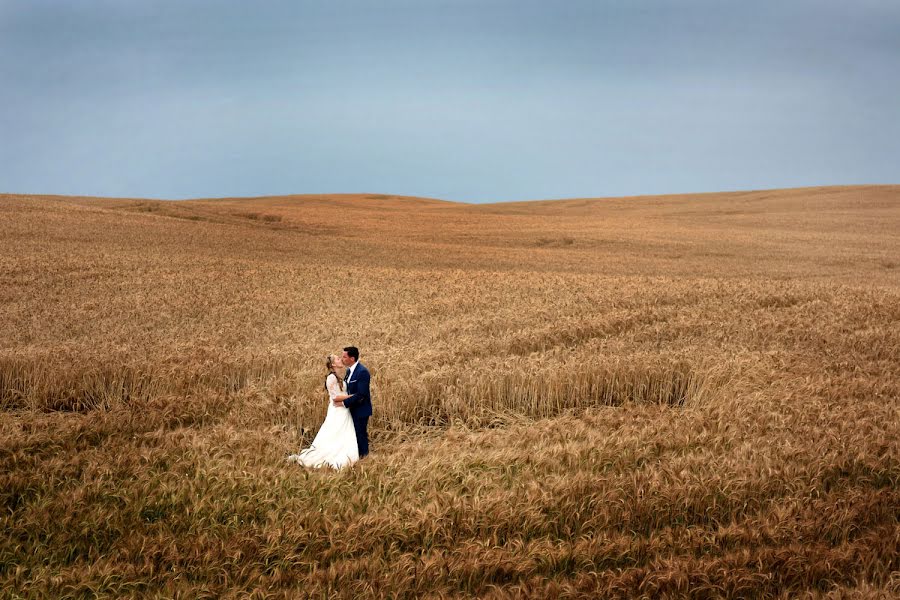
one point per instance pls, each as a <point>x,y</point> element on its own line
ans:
<point>631,397</point>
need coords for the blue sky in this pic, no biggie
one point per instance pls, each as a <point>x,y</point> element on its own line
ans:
<point>476,101</point>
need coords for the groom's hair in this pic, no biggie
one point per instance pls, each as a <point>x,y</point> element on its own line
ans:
<point>353,352</point>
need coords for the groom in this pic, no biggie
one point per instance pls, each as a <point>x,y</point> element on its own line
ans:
<point>357,399</point>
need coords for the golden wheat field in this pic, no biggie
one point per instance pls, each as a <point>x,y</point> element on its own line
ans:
<point>659,397</point>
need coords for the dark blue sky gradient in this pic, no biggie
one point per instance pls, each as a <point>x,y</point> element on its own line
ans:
<point>463,100</point>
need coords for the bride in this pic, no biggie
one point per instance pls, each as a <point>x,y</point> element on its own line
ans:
<point>335,443</point>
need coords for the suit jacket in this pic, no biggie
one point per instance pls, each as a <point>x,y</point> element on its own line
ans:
<point>360,400</point>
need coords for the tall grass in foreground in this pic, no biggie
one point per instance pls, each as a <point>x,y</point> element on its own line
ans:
<point>617,502</point>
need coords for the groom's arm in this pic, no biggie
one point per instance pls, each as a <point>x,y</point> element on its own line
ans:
<point>362,389</point>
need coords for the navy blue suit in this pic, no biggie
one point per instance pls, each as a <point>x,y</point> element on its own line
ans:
<point>360,405</point>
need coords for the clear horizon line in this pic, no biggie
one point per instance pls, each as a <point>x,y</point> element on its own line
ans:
<point>415,196</point>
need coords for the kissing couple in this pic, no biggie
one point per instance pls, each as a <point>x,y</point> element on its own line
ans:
<point>343,437</point>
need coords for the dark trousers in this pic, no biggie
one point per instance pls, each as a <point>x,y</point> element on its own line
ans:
<point>362,434</point>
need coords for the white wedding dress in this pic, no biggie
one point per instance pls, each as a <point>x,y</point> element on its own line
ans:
<point>335,443</point>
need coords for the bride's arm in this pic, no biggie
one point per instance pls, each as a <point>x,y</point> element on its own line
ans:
<point>333,387</point>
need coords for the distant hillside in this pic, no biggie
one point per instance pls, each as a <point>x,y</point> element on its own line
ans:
<point>847,232</point>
